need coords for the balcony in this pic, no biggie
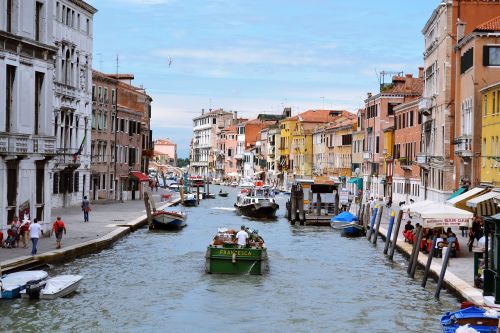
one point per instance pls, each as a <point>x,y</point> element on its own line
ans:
<point>67,158</point>
<point>463,146</point>
<point>425,105</point>
<point>238,156</point>
<point>65,90</point>
<point>44,145</point>
<point>405,164</point>
<point>367,155</point>
<point>422,159</point>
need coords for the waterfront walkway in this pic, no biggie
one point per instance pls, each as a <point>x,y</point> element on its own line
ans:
<point>105,220</point>
<point>460,271</point>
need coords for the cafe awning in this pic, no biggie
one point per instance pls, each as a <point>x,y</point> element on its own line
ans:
<point>139,176</point>
<point>484,204</point>
<point>442,215</point>
<point>457,193</point>
<point>358,181</point>
<point>460,200</point>
<point>417,205</point>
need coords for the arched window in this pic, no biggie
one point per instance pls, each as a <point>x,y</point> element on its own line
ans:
<point>67,70</point>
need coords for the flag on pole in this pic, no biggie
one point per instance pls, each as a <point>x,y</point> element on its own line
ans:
<point>79,152</point>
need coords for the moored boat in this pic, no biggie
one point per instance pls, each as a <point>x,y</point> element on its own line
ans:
<point>224,256</point>
<point>12,284</point>
<point>474,318</point>
<point>256,203</point>
<point>190,200</point>
<point>208,196</point>
<point>59,286</point>
<point>348,223</point>
<point>223,194</point>
<point>168,220</point>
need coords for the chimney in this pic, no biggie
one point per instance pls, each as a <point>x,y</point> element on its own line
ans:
<point>369,94</point>
<point>202,111</point>
<point>460,29</point>
<point>287,112</point>
<point>420,72</point>
<point>210,110</point>
<point>409,76</point>
<point>236,115</point>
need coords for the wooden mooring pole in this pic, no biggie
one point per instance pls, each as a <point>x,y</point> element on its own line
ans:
<point>300,204</point>
<point>147,204</point>
<point>197,195</point>
<point>377,225</point>
<point>429,261</point>
<point>443,272</point>
<point>413,251</point>
<point>420,233</point>
<point>389,232</point>
<point>395,235</point>
<point>372,223</point>
<point>293,205</point>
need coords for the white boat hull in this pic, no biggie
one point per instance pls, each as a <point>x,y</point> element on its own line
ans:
<point>60,286</point>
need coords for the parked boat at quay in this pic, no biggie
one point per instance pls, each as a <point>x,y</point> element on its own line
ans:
<point>12,284</point>
<point>223,194</point>
<point>256,203</point>
<point>168,220</point>
<point>224,256</point>
<point>472,318</point>
<point>348,224</point>
<point>52,288</point>
<point>189,200</point>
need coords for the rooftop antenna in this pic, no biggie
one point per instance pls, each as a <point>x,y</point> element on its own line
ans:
<point>117,63</point>
<point>100,61</point>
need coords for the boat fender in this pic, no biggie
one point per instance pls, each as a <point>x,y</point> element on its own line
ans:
<point>234,258</point>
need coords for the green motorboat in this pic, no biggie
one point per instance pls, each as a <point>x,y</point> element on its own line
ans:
<point>225,257</point>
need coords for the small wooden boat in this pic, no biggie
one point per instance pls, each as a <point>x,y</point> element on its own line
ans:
<point>12,284</point>
<point>353,229</point>
<point>208,196</point>
<point>190,200</point>
<point>174,187</point>
<point>478,319</point>
<point>223,255</point>
<point>223,194</point>
<point>168,220</point>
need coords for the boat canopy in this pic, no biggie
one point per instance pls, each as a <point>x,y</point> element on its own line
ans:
<point>344,217</point>
<point>323,188</point>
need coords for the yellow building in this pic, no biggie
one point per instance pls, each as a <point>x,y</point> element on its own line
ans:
<point>339,142</point>
<point>302,149</point>
<point>490,133</point>
<point>286,127</point>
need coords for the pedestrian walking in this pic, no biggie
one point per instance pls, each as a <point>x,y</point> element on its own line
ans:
<point>35,230</point>
<point>15,226</point>
<point>24,231</point>
<point>58,228</point>
<point>86,209</point>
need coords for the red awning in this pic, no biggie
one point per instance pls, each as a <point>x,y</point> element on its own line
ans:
<point>140,176</point>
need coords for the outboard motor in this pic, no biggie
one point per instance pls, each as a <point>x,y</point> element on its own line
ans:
<point>33,288</point>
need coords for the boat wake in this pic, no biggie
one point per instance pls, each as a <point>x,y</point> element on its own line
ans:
<point>224,208</point>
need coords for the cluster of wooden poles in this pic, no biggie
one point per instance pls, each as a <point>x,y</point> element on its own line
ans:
<point>392,237</point>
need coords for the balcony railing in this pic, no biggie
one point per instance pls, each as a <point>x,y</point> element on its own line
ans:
<point>425,104</point>
<point>463,146</point>
<point>66,90</point>
<point>367,155</point>
<point>24,144</point>
<point>422,159</point>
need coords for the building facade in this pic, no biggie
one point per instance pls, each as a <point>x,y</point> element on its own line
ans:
<point>27,131</point>
<point>165,151</point>
<point>490,133</point>
<point>73,35</point>
<point>438,106</point>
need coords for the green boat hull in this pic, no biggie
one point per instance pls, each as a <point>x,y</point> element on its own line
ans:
<point>220,260</point>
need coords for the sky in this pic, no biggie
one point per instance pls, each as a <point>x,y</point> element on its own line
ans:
<point>255,56</point>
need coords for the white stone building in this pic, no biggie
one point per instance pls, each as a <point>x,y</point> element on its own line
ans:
<point>27,141</point>
<point>206,129</point>
<point>72,34</point>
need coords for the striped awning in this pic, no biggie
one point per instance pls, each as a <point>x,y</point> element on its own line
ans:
<point>484,204</point>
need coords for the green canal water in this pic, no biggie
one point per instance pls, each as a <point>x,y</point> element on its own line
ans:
<point>155,282</point>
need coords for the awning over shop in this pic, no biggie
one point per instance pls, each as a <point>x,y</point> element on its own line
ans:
<point>357,181</point>
<point>484,204</point>
<point>416,206</point>
<point>460,200</point>
<point>442,215</point>
<point>140,176</point>
<point>458,192</point>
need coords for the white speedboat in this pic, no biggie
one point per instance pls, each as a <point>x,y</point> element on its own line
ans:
<point>60,286</point>
<point>12,284</point>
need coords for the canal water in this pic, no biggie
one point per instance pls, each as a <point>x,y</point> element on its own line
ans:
<point>155,282</point>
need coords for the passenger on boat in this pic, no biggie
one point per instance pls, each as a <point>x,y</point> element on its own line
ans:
<point>242,237</point>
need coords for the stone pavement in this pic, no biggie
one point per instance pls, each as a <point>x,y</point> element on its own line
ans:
<point>104,219</point>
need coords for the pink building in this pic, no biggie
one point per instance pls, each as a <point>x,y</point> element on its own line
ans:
<point>231,143</point>
<point>165,152</point>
